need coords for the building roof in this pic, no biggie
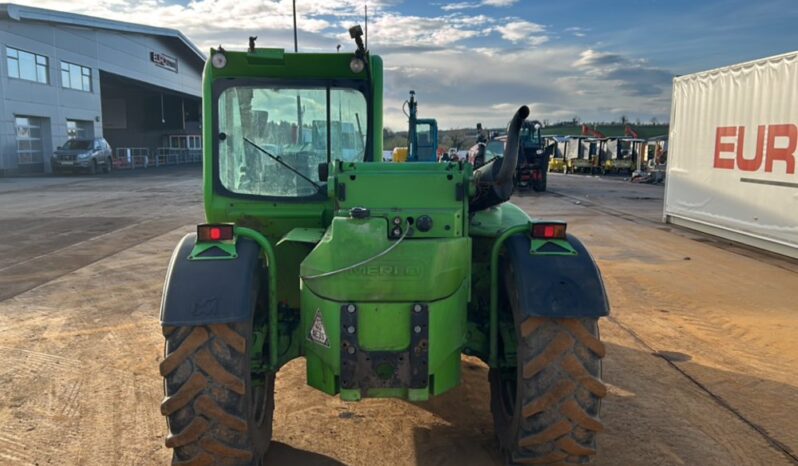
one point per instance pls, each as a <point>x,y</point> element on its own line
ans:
<point>20,13</point>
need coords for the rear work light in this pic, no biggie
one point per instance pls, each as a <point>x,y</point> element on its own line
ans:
<point>548,231</point>
<point>214,232</point>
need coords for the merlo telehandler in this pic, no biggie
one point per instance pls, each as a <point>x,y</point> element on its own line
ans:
<point>380,275</point>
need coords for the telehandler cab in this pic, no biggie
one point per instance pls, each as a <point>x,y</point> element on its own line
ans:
<point>422,133</point>
<point>380,275</point>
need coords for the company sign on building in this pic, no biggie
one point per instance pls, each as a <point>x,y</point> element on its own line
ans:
<point>164,61</point>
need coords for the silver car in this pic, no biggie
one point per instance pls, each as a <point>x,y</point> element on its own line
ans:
<point>90,155</point>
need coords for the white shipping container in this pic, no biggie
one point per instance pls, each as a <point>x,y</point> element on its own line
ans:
<point>732,161</point>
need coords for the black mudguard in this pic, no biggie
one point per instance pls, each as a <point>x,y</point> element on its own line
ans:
<point>200,292</point>
<point>567,286</point>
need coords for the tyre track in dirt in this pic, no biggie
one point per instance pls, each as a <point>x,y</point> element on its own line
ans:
<point>98,403</point>
<point>772,441</point>
<point>26,275</point>
<point>81,222</point>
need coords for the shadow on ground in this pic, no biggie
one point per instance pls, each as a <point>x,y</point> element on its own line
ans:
<point>652,415</point>
<point>280,453</point>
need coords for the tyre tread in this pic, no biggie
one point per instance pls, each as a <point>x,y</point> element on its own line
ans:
<point>560,370</point>
<point>173,360</point>
<point>185,394</point>
<point>211,399</point>
<point>208,363</point>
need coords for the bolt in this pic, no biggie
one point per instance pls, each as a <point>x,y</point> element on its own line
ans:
<point>417,308</point>
<point>397,220</point>
<point>417,329</point>
<point>350,329</point>
<point>351,350</point>
<point>350,308</point>
<point>397,231</point>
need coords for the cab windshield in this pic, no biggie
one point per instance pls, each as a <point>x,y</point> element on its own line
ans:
<point>272,140</point>
<point>530,136</point>
<point>494,149</point>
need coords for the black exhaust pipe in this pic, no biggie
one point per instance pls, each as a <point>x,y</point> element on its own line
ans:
<point>494,180</point>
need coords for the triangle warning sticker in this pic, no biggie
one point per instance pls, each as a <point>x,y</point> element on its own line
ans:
<point>317,331</point>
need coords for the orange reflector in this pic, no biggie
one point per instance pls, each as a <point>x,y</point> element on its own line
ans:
<point>548,230</point>
<point>214,232</point>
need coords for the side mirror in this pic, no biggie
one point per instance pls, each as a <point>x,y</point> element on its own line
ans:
<point>324,171</point>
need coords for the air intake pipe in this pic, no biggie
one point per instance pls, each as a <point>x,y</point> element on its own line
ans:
<point>494,180</point>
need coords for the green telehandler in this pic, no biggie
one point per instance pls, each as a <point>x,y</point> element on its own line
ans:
<point>380,275</point>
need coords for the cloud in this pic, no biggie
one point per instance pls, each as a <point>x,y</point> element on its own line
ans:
<point>394,30</point>
<point>591,58</point>
<point>466,66</point>
<point>460,87</point>
<point>521,31</point>
<point>577,31</point>
<point>469,5</point>
<point>632,77</point>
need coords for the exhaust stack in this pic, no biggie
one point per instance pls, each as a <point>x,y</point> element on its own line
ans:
<point>494,180</point>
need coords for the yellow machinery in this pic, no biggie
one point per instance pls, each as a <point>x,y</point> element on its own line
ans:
<point>557,165</point>
<point>400,154</point>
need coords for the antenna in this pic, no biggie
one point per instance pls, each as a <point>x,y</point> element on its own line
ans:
<point>366,7</point>
<point>296,47</point>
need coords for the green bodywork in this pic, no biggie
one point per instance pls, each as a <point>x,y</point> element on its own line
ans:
<point>320,257</point>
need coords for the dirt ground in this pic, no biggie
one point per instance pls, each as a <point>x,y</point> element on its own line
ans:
<point>702,353</point>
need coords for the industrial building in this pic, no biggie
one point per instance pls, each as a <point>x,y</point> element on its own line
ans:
<point>65,75</point>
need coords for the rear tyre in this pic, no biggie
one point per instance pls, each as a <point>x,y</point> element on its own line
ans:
<point>218,412</point>
<point>546,411</point>
<point>93,167</point>
<point>107,165</point>
<point>540,185</point>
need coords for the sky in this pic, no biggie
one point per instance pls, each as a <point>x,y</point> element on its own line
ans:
<point>477,60</point>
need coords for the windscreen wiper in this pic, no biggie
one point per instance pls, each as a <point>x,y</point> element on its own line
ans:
<point>280,161</point>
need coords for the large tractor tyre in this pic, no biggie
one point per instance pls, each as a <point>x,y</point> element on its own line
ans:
<point>216,412</point>
<point>546,410</point>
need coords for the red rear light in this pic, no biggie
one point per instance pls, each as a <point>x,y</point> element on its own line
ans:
<point>215,232</point>
<point>548,230</point>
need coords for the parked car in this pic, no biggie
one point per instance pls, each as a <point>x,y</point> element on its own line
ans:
<point>89,155</point>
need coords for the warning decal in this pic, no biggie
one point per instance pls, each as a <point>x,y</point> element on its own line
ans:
<point>317,331</point>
